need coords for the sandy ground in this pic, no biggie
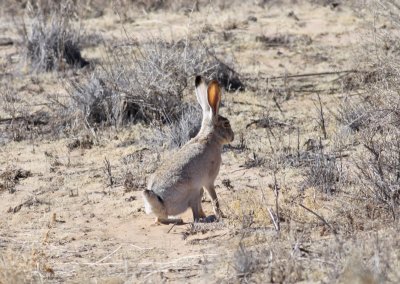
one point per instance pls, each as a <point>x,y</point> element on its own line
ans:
<point>64,224</point>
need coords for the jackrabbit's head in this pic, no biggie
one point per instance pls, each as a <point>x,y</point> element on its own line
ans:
<point>209,98</point>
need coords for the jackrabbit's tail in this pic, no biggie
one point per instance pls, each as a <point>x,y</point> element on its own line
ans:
<point>154,204</point>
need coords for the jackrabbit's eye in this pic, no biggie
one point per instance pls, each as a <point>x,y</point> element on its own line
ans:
<point>227,124</point>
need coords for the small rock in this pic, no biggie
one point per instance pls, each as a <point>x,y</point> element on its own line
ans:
<point>252,19</point>
<point>293,15</point>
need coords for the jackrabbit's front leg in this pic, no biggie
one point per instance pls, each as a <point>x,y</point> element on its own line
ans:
<point>200,208</point>
<point>214,199</point>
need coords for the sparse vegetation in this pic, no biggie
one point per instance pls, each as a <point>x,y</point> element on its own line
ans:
<point>324,172</point>
<point>177,133</point>
<point>97,103</point>
<point>50,42</point>
<point>309,187</point>
<point>148,82</point>
<point>375,114</point>
<point>10,177</point>
<point>136,167</point>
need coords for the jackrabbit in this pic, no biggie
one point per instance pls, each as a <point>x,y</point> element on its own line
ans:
<point>178,183</point>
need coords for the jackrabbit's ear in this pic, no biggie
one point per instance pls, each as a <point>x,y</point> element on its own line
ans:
<point>201,95</point>
<point>214,96</point>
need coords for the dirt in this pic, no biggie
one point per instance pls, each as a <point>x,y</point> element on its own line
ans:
<point>63,223</point>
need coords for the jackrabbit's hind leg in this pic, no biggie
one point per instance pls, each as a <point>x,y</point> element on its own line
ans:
<point>196,212</point>
<point>195,205</point>
<point>154,204</point>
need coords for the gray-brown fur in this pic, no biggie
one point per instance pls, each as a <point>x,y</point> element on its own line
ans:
<point>178,183</point>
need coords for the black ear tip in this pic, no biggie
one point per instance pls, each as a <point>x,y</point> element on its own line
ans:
<point>198,81</point>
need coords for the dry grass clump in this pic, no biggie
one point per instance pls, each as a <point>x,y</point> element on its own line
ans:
<point>286,40</point>
<point>324,172</point>
<point>363,259</point>
<point>137,166</point>
<point>12,107</point>
<point>9,178</point>
<point>50,42</point>
<point>379,165</point>
<point>244,262</point>
<point>353,115</point>
<point>97,103</point>
<point>82,8</point>
<point>11,102</point>
<point>375,113</point>
<point>177,133</point>
<point>18,267</point>
<point>146,82</point>
<point>15,270</point>
<point>271,265</point>
<point>83,142</point>
<point>18,121</point>
<point>186,6</point>
<point>166,5</point>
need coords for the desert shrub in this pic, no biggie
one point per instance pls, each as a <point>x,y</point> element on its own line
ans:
<point>378,109</point>
<point>177,133</point>
<point>171,5</point>
<point>49,39</point>
<point>353,115</point>
<point>15,268</point>
<point>324,172</point>
<point>267,264</point>
<point>18,120</point>
<point>11,101</point>
<point>379,164</point>
<point>379,167</point>
<point>244,262</point>
<point>95,101</point>
<point>81,8</point>
<point>147,82</point>
<point>136,168</point>
<point>185,6</point>
<point>10,177</point>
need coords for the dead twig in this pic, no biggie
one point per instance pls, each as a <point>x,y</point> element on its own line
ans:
<point>276,223</point>
<point>107,171</point>
<point>321,121</point>
<point>276,193</point>
<point>333,230</point>
<point>109,255</point>
<point>327,73</point>
<point>171,227</point>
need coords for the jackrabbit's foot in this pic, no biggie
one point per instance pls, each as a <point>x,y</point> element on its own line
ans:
<point>220,215</point>
<point>167,221</point>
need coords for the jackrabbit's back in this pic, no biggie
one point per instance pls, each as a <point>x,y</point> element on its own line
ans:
<point>189,167</point>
